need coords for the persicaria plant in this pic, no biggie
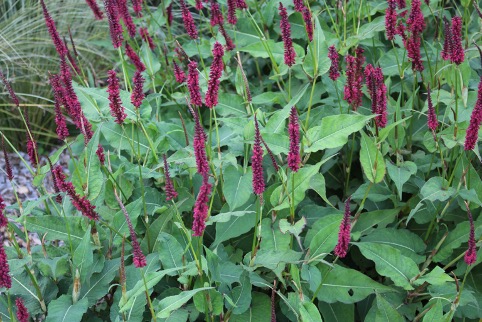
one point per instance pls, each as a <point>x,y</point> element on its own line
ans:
<point>252,161</point>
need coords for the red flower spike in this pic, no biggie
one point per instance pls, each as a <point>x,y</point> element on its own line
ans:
<point>257,161</point>
<point>475,121</point>
<point>58,43</point>
<point>3,217</point>
<point>199,144</point>
<point>95,9</point>
<point>289,51</point>
<point>199,5</point>
<point>137,5</point>
<point>115,103</point>
<point>457,55</point>
<point>334,68</point>
<point>169,188</point>
<point>415,20</point>
<point>193,84</point>
<point>179,73</point>
<point>271,155</point>
<point>126,17</point>
<point>215,74</point>
<point>137,95</point>
<point>378,94</point>
<point>391,19</point>
<point>294,158</point>
<point>241,4</point>
<point>299,6</point>
<point>147,38</point>
<point>82,204</point>
<point>8,167</point>
<point>341,248</point>
<point>10,91</point>
<point>31,144</point>
<point>354,77</point>
<point>308,23</point>
<point>134,58</point>
<point>232,19</point>
<point>188,21</point>
<point>5,278</point>
<point>446,52</point>
<point>115,28</point>
<point>216,14</point>
<point>170,17</point>
<point>100,154</point>
<point>229,42</point>
<point>22,312</point>
<point>58,198</point>
<point>62,131</point>
<point>201,208</point>
<point>432,122</point>
<point>471,254</point>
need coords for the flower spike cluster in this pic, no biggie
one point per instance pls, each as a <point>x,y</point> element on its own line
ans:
<point>334,68</point>
<point>471,254</point>
<point>171,192</point>
<point>137,5</point>
<point>115,103</point>
<point>285,27</point>
<point>298,5</point>
<point>447,48</point>
<point>99,15</point>
<point>201,208</point>
<point>188,21</point>
<point>193,84</point>
<point>115,28</point>
<point>216,14</point>
<point>391,19</point>
<point>82,204</point>
<point>341,248</point>
<point>416,25</point>
<point>457,55</point>
<point>378,94</point>
<point>58,43</point>
<point>475,121</point>
<point>354,78</point>
<point>199,143</point>
<point>308,23</point>
<point>294,158</point>
<point>126,17</point>
<point>232,19</point>
<point>100,154</point>
<point>257,161</point>
<point>215,74</point>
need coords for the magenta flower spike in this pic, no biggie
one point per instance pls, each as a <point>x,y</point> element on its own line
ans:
<point>193,84</point>
<point>137,95</point>
<point>10,90</point>
<point>126,17</point>
<point>215,74</point>
<point>294,158</point>
<point>199,5</point>
<point>58,43</point>
<point>188,21</point>
<point>299,6</point>
<point>147,38</point>
<point>216,14</point>
<point>354,78</point>
<point>115,103</point>
<point>471,253</point>
<point>8,167</point>
<point>169,188</point>
<point>60,121</point>
<point>378,94</point>
<point>199,143</point>
<point>391,19</point>
<point>457,55</point>
<point>5,278</point>
<point>229,42</point>
<point>22,312</point>
<point>446,52</point>
<point>99,15</point>
<point>289,51</point>
<point>472,133</point>
<point>137,5</point>
<point>179,73</point>
<point>201,208</point>
<point>257,161</point>
<point>341,248</point>
<point>308,23</point>
<point>334,68</point>
<point>432,121</point>
<point>115,28</point>
<point>232,19</point>
<point>134,58</point>
<point>170,17</point>
<point>3,217</point>
<point>100,154</point>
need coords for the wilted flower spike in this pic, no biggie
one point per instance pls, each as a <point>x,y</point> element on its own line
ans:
<point>308,23</point>
<point>82,204</point>
<point>289,51</point>
<point>137,95</point>
<point>100,154</point>
<point>95,9</point>
<point>341,248</point>
<point>9,88</point>
<point>446,52</point>
<point>3,217</point>
<point>22,312</point>
<point>58,43</point>
<point>169,188</point>
<point>431,115</point>
<point>257,161</point>
<point>457,55</point>
<point>115,103</point>
<point>5,278</point>
<point>193,84</point>
<point>391,19</point>
<point>201,208</point>
<point>188,21</point>
<point>471,254</point>
<point>8,167</point>
<point>334,69</point>
<point>215,74</point>
<point>115,28</point>
<point>147,38</point>
<point>294,159</point>
<point>475,121</point>
<point>232,19</point>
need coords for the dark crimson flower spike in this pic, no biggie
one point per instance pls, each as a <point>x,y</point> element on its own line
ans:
<point>432,122</point>
<point>147,38</point>
<point>289,51</point>
<point>391,19</point>
<point>5,278</point>
<point>10,90</point>
<point>134,58</point>
<point>308,23</point>
<point>341,248</point>
<point>58,43</point>
<point>216,14</point>
<point>126,17</point>
<point>95,9</point>
<point>472,134</point>
<point>378,94</point>
<point>137,95</point>
<point>334,68</point>
<point>232,19</point>
<point>116,108</point>
<point>22,312</point>
<point>215,74</point>
<point>169,188</point>
<point>8,167</point>
<point>193,84</point>
<point>257,161</point>
<point>294,158</point>
<point>446,52</point>
<point>457,55</point>
<point>471,253</point>
<point>188,21</point>
<point>3,217</point>
<point>115,28</point>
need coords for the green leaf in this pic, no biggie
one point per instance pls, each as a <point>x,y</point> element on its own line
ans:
<point>390,262</point>
<point>172,303</point>
<point>236,226</point>
<point>170,253</point>
<point>83,256</point>
<point>241,295</point>
<point>95,178</point>
<point>385,311</point>
<point>55,228</point>
<point>346,285</point>
<point>326,237</point>
<point>273,238</point>
<point>260,310</point>
<point>435,314</point>
<point>371,159</point>
<point>337,312</point>
<point>317,183</point>
<point>333,131</point>
<point>272,258</point>
<point>97,286</point>
<point>62,309</point>
<point>237,187</point>
<point>437,276</point>
<point>401,174</point>
<point>378,218</point>
<point>309,312</point>
<point>260,49</point>
<point>319,53</point>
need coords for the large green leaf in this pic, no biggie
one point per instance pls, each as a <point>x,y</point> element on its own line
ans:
<point>326,236</point>
<point>309,312</point>
<point>95,178</point>
<point>260,310</point>
<point>316,62</point>
<point>333,131</point>
<point>371,159</point>
<point>63,310</point>
<point>237,187</point>
<point>401,174</point>
<point>83,256</point>
<point>172,303</point>
<point>170,253</point>
<point>390,262</point>
<point>55,228</point>
<point>234,227</point>
<point>97,286</point>
<point>385,312</point>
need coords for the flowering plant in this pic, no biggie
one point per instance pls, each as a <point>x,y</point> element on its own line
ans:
<point>308,161</point>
